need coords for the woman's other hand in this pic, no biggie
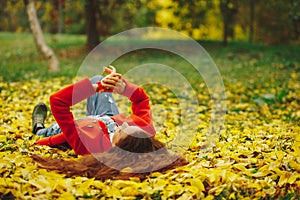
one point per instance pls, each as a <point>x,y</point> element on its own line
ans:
<point>112,82</point>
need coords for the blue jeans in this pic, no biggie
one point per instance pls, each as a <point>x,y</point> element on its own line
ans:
<point>98,104</point>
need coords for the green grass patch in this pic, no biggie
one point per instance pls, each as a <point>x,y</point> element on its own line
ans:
<point>239,61</point>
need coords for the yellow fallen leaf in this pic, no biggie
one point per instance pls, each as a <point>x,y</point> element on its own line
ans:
<point>293,177</point>
<point>160,184</point>
<point>209,197</point>
<point>124,183</point>
<point>280,155</point>
<point>263,171</point>
<point>296,148</point>
<point>135,179</point>
<point>66,195</point>
<point>113,192</point>
<point>173,189</point>
<point>241,167</point>
<point>293,164</point>
<point>284,179</point>
<point>86,184</point>
<point>217,190</point>
<point>194,190</point>
<point>126,170</point>
<point>98,184</point>
<point>130,191</point>
<point>196,182</point>
<point>232,196</point>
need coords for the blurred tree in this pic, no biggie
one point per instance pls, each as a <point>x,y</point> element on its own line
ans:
<point>246,18</point>
<point>273,22</point>
<point>55,9</point>
<point>107,15</point>
<point>229,10</point>
<point>47,52</point>
<point>74,17</point>
<point>188,16</point>
<point>60,5</point>
<point>120,15</point>
<point>251,21</point>
<point>140,14</point>
<point>194,13</point>
<point>91,8</point>
<point>12,16</point>
<point>49,16</point>
<point>295,17</point>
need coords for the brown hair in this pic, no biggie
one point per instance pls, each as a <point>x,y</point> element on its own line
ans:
<point>134,155</point>
<point>140,142</point>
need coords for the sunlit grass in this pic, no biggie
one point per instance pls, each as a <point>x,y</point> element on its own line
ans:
<point>236,62</point>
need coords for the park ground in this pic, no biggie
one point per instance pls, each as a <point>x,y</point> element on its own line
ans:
<point>256,155</point>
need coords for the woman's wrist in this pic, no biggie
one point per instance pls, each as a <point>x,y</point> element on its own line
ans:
<point>121,87</point>
<point>95,86</point>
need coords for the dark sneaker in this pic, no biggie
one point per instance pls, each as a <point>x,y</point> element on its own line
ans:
<point>39,115</point>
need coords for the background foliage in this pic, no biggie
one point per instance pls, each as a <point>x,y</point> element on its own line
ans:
<point>273,22</point>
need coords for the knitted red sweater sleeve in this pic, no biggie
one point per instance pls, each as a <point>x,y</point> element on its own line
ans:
<point>141,111</point>
<point>61,102</point>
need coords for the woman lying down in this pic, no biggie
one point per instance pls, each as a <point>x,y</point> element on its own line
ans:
<point>113,145</point>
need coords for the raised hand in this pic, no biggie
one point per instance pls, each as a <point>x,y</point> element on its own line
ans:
<point>112,81</point>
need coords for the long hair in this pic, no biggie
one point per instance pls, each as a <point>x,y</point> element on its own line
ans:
<point>134,155</point>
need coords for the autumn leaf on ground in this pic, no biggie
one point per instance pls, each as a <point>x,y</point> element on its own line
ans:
<point>255,156</point>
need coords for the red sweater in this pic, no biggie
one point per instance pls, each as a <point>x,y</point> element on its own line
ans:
<point>87,135</point>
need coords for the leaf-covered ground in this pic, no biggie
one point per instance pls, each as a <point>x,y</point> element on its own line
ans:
<point>257,155</point>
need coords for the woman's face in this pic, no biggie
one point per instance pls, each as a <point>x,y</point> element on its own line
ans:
<point>123,131</point>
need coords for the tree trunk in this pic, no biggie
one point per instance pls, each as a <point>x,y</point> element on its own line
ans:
<point>91,8</point>
<point>60,8</point>
<point>228,10</point>
<point>225,33</point>
<point>224,12</point>
<point>294,14</point>
<point>53,63</point>
<point>251,22</point>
